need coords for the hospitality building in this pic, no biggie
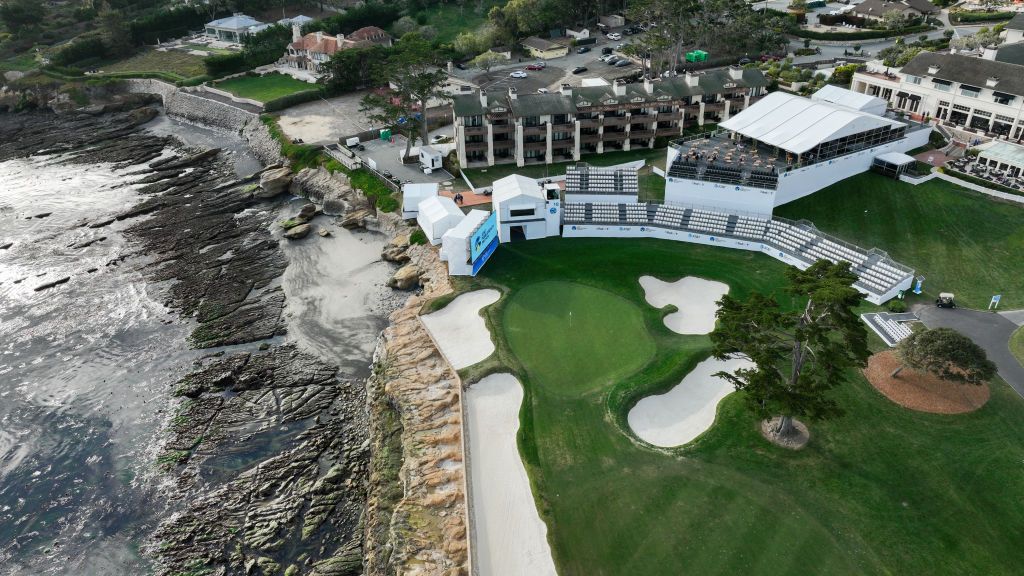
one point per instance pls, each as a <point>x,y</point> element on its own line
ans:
<point>504,127</point>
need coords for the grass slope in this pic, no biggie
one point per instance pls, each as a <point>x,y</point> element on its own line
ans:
<point>961,241</point>
<point>174,62</point>
<point>879,491</point>
<point>264,88</point>
<point>1017,345</point>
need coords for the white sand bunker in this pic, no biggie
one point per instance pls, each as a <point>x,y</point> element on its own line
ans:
<point>688,409</point>
<point>460,330</point>
<point>511,539</point>
<point>694,297</point>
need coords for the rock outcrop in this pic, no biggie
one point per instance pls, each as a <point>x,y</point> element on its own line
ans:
<point>405,278</point>
<point>331,191</point>
<point>298,232</point>
<point>274,181</point>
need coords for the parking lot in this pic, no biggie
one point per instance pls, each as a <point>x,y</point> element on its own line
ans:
<point>385,156</point>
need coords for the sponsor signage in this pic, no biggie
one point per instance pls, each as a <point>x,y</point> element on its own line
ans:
<point>483,236</point>
<point>487,251</point>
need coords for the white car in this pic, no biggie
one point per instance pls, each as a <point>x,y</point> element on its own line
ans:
<point>615,36</point>
<point>517,74</point>
<point>438,138</point>
<point>542,90</point>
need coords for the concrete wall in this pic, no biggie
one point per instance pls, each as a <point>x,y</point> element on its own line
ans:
<point>726,197</point>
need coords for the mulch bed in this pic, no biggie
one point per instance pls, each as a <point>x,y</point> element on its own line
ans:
<point>923,392</point>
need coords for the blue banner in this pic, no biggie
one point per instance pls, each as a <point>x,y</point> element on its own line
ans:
<point>483,236</point>
<point>479,262</point>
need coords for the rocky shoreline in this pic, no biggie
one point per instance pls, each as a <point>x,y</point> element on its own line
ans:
<point>363,464</point>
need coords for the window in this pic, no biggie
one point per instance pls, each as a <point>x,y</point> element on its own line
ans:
<point>941,87</point>
<point>521,212</point>
<point>970,91</point>
<point>474,120</point>
<point>531,121</point>
<point>913,79</point>
<point>1002,98</point>
<point>961,108</point>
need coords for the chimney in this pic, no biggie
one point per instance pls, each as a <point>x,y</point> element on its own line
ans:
<point>735,72</point>
<point>619,88</point>
<point>319,36</point>
<point>691,78</point>
<point>566,90</point>
<point>933,69</point>
<point>483,98</point>
<point>513,93</point>
<point>989,53</point>
<point>648,84</point>
<point>296,32</point>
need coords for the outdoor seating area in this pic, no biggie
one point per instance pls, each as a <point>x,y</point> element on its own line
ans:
<point>876,272</point>
<point>998,162</point>
<point>718,158</point>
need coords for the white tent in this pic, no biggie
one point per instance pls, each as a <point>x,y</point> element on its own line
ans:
<point>850,99</point>
<point>521,205</point>
<point>413,194</point>
<point>437,215</point>
<point>798,124</point>
<point>455,243</point>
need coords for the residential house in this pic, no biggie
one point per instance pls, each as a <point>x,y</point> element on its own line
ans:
<point>312,51</point>
<point>503,127</point>
<point>909,9</point>
<point>544,49</point>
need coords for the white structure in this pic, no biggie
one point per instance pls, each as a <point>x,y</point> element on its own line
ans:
<point>437,215</point>
<point>981,94</point>
<point>299,20</point>
<point>455,248</point>
<point>585,183</point>
<point>413,194</point>
<point>850,99</point>
<point>234,28</point>
<point>430,159</point>
<point>782,148</point>
<point>1003,156</point>
<point>524,209</point>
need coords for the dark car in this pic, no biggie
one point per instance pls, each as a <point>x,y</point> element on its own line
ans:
<point>579,70</point>
<point>744,61</point>
<point>622,63</point>
<point>460,65</point>
<point>536,66</point>
<point>612,61</point>
<point>582,50</point>
<point>606,50</point>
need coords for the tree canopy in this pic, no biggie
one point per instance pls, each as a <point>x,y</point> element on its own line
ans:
<point>800,355</point>
<point>947,354</point>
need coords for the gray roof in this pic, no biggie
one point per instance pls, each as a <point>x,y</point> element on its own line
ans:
<point>709,82</point>
<point>236,22</point>
<point>1011,53</point>
<point>969,70</point>
<point>880,7</point>
<point>1016,23</point>
<point>540,43</point>
<point>922,6</point>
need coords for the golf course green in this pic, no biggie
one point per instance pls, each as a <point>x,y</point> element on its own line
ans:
<point>881,490</point>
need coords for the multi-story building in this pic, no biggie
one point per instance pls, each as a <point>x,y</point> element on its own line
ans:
<point>503,127</point>
<point>312,51</point>
<point>973,92</point>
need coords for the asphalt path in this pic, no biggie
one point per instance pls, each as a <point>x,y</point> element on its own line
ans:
<point>989,330</point>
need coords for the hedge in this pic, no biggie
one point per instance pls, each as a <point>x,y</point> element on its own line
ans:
<point>292,100</point>
<point>862,35</point>
<point>957,17</point>
<point>980,181</point>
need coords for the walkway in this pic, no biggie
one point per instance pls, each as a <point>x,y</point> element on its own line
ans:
<point>989,330</point>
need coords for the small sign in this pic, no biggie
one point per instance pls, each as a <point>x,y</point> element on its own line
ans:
<point>995,301</point>
<point>917,285</point>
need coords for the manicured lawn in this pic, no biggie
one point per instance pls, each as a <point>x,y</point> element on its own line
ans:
<point>174,62</point>
<point>486,176</point>
<point>960,241</point>
<point>1017,345</point>
<point>879,491</point>
<point>264,88</point>
<point>449,19</point>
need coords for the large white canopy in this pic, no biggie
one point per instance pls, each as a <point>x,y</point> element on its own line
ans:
<point>514,186</point>
<point>850,99</point>
<point>798,124</point>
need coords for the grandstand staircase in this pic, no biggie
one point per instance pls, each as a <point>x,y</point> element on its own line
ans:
<point>622,213</point>
<point>730,224</point>
<point>588,212</point>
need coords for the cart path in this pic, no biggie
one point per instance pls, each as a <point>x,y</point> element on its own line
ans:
<point>989,330</point>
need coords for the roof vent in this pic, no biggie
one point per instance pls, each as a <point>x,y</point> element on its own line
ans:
<point>933,69</point>
<point>992,81</point>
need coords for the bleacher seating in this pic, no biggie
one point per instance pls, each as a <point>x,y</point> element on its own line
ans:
<point>605,212</point>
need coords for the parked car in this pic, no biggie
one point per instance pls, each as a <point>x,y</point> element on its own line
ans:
<point>744,61</point>
<point>460,65</point>
<point>606,50</point>
<point>622,63</point>
<point>536,66</point>
<point>517,74</point>
<point>437,139</point>
<point>612,61</point>
<point>583,50</point>
<point>542,90</point>
<point>579,70</point>
<point>615,36</point>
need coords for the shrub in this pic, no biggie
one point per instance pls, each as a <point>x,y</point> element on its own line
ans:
<point>417,237</point>
<point>861,35</point>
<point>82,48</point>
<point>958,16</point>
<point>897,306</point>
<point>223,64</point>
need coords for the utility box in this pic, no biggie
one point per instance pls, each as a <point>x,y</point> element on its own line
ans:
<point>696,56</point>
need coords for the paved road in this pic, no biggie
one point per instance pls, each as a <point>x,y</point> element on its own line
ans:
<point>988,330</point>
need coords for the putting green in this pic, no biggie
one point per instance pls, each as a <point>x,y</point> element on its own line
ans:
<point>601,337</point>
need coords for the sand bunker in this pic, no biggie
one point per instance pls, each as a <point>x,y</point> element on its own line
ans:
<point>460,331</point>
<point>694,297</point>
<point>511,539</point>
<point>922,391</point>
<point>688,409</point>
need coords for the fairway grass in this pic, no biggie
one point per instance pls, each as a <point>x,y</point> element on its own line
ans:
<point>264,88</point>
<point>960,241</point>
<point>1017,345</point>
<point>882,490</point>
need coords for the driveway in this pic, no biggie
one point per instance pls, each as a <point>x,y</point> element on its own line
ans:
<point>989,330</point>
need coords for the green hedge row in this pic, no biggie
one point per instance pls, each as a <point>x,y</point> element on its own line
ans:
<point>292,99</point>
<point>862,35</point>
<point>958,17</point>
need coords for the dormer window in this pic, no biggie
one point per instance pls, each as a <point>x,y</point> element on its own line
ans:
<point>933,69</point>
<point>991,82</point>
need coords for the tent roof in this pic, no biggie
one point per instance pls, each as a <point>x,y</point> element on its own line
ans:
<point>849,98</point>
<point>1003,152</point>
<point>897,158</point>
<point>798,124</point>
<point>515,185</point>
<point>465,228</point>
<point>438,208</point>
<point>413,194</point>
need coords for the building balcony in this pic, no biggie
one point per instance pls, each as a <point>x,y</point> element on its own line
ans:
<point>476,130</point>
<point>563,127</point>
<point>714,107</point>
<point>615,120</point>
<point>476,145</point>
<point>542,145</point>
<point>669,116</point>
<point>535,130</point>
<point>504,144</point>
<point>590,138</point>
<point>642,118</point>
<point>501,128</point>
<point>667,131</point>
<point>614,136</point>
<point>589,122</point>
<point>641,133</point>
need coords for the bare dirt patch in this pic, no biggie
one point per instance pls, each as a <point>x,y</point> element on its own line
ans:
<point>922,392</point>
<point>796,440</point>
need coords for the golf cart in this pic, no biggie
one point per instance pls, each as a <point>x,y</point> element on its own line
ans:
<point>945,300</point>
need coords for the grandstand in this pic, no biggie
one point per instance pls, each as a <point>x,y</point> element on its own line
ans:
<point>891,328</point>
<point>798,243</point>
